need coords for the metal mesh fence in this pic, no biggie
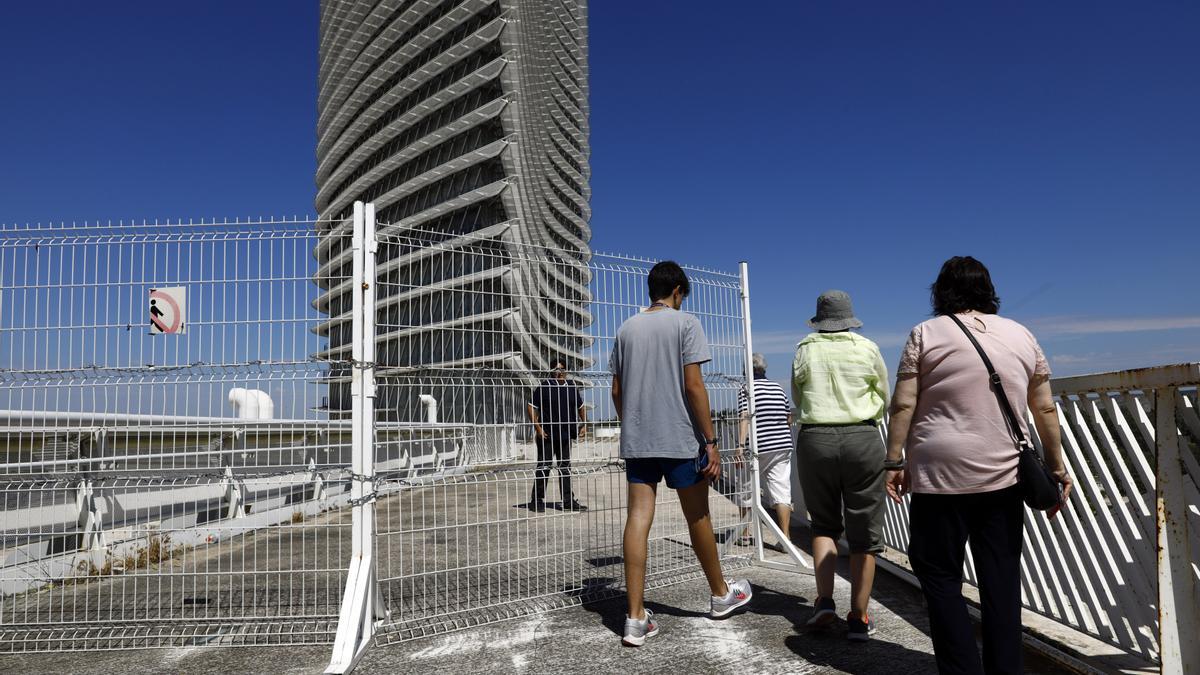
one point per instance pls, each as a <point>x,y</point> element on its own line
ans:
<point>170,474</point>
<point>469,546</point>
<point>178,413</point>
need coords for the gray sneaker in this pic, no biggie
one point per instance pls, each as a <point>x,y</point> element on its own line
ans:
<point>636,631</point>
<point>739,594</point>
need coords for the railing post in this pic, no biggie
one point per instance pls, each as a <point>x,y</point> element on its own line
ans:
<point>759,516</point>
<point>1178,620</point>
<point>376,610</point>
<point>89,517</point>
<point>362,602</point>
<point>233,494</point>
<point>752,438</point>
<point>317,480</point>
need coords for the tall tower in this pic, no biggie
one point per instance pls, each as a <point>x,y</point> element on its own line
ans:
<point>466,123</point>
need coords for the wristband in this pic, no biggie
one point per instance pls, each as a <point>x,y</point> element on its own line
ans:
<point>710,441</point>
<point>893,464</point>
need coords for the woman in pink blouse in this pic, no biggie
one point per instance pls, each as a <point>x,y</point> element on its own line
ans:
<point>961,464</point>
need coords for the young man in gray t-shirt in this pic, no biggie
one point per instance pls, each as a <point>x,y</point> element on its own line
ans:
<point>666,432</point>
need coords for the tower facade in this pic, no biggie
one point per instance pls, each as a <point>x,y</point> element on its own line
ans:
<point>466,123</point>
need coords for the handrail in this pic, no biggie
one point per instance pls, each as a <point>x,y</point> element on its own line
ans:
<point>1182,374</point>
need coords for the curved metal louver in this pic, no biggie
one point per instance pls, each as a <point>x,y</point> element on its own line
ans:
<point>466,123</point>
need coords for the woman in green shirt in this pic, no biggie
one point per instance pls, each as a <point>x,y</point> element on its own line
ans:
<point>839,385</point>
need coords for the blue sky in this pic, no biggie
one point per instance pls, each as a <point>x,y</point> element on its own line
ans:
<point>833,145</point>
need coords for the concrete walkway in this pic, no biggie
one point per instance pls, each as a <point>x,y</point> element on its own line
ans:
<point>764,639</point>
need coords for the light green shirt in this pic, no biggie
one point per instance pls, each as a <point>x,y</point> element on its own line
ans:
<point>838,378</point>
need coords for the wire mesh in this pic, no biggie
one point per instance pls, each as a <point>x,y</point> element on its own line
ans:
<point>183,478</point>
<point>471,326</point>
<point>169,477</point>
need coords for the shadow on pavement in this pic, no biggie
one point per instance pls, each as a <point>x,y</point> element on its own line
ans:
<point>834,650</point>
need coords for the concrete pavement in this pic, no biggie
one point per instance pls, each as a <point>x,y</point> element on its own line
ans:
<point>763,639</point>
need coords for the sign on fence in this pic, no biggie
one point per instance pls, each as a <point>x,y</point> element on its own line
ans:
<point>168,307</point>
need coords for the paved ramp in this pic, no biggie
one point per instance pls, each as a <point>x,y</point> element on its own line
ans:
<point>586,639</point>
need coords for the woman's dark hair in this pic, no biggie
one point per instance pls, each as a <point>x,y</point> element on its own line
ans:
<point>963,285</point>
<point>663,279</point>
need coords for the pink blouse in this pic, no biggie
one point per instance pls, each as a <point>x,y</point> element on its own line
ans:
<point>959,440</point>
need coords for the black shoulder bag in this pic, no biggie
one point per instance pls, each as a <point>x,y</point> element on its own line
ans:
<point>1039,487</point>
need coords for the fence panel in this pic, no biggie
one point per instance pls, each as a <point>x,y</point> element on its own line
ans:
<point>468,327</point>
<point>170,470</point>
<point>1097,567</point>
<point>176,405</point>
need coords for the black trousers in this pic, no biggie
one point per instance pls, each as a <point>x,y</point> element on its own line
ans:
<point>550,450</point>
<point>940,527</point>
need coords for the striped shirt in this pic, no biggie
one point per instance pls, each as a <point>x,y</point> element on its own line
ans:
<point>771,410</point>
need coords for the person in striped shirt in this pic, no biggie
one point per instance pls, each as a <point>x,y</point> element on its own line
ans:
<point>773,423</point>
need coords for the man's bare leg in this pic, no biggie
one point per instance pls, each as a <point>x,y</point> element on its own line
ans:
<point>694,500</point>
<point>824,564</point>
<point>639,518</point>
<point>862,578</point>
<point>783,515</point>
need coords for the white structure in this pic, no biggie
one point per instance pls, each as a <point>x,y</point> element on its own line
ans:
<point>431,408</point>
<point>251,404</point>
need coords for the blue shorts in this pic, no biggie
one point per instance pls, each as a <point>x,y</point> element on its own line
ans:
<point>680,473</point>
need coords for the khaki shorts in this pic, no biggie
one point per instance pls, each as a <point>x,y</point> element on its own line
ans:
<point>841,474</point>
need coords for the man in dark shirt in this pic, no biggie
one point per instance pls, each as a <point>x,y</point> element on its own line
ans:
<point>557,413</point>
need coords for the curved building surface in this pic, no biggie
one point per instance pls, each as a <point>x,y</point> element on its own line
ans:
<point>466,123</point>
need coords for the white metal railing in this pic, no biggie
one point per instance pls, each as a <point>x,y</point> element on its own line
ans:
<point>1120,563</point>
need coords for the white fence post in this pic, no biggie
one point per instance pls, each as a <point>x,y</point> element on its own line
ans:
<point>362,602</point>
<point>1178,623</point>
<point>89,518</point>
<point>233,494</point>
<point>375,607</point>
<point>760,516</point>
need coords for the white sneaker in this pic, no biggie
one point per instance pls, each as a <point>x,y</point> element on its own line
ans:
<point>637,630</point>
<point>739,594</point>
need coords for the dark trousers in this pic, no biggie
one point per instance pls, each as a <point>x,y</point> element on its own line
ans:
<point>553,449</point>
<point>940,527</point>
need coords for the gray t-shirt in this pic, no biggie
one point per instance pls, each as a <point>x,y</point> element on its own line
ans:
<point>650,352</point>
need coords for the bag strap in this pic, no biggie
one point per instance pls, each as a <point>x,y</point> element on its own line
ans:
<point>996,386</point>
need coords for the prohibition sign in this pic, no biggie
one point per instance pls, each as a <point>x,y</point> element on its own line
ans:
<point>166,310</point>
